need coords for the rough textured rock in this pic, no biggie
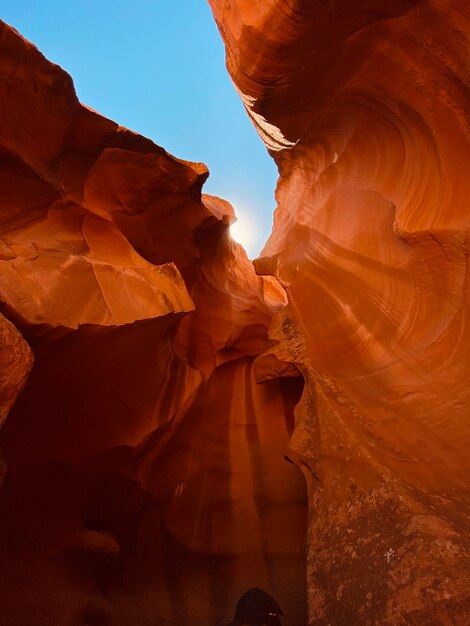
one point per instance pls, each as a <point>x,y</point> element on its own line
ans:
<point>364,107</point>
<point>146,480</point>
<point>16,359</point>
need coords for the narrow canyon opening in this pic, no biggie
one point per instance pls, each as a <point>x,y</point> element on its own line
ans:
<point>155,382</point>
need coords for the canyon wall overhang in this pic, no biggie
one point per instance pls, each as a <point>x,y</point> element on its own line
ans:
<point>365,108</point>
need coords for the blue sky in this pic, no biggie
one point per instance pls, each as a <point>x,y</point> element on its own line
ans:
<point>158,67</point>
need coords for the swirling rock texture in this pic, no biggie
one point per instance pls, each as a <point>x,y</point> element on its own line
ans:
<point>365,108</point>
<point>145,474</point>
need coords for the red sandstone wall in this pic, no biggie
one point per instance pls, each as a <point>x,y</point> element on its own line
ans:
<point>145,473</point>
<point>364,107</point>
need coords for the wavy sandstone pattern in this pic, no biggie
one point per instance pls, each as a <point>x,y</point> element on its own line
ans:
<point>146,480</point>
<point>364,107</point>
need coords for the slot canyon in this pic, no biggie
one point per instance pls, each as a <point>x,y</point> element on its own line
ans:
<point>180,423</point>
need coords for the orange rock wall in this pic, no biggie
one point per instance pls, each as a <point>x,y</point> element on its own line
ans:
<point>364,107</point>
<point>144,454</point>
<point>145,472</point>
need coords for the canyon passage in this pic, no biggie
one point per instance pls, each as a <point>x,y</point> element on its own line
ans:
<point>179,423</point>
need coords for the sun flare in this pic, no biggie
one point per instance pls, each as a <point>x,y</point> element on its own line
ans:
<point>244,232</point>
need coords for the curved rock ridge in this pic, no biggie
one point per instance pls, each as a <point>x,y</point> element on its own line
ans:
<point>146,480</point>
<point>365,109</point>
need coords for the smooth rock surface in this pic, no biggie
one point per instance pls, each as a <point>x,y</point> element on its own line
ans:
<point>364,107</point>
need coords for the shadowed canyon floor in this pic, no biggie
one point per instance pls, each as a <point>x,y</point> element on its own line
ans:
<point>155,383</point>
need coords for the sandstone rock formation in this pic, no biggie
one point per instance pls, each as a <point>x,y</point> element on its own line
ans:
<point>146,480</point>
<point>365,108</point>
<point>145,472</point>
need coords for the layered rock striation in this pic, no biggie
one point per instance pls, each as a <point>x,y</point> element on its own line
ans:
<point>365,108</point>
<point>146,479</point>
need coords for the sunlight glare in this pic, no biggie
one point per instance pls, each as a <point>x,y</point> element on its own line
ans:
<point>245,232</point>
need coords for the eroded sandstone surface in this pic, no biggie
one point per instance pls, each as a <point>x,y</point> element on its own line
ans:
<point>145,474</point>
<point>146,479</point>
<point>365,108</point>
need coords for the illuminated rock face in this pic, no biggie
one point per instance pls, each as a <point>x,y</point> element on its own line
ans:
<point>364,107</point>
<point>146,478</point>
<point>145,472</point>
